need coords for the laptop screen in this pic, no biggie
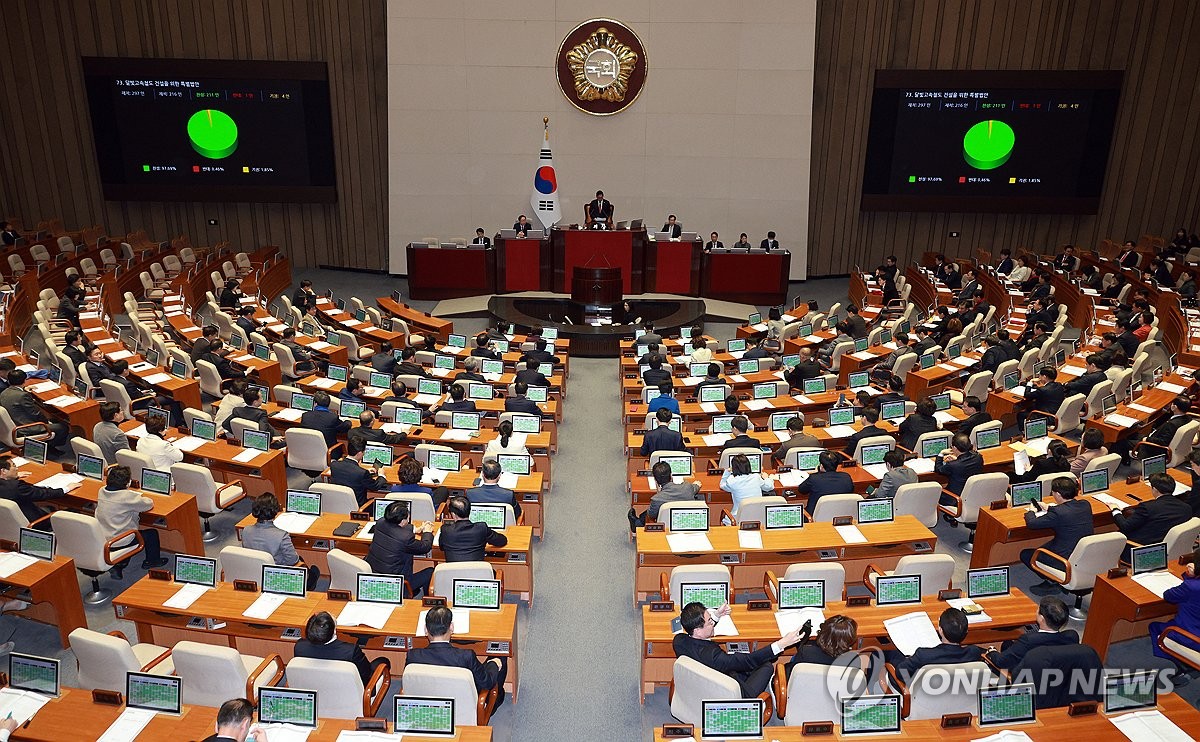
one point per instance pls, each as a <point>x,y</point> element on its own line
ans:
<point>815,386</point>
<point>350,410</point>
<point>538,393</point>
<point>783,516</point>
<point>374,588</point>
<point>89,466</point>
<point>205,429</point>
<point>477,594</point>
<point>860,344</point>
<point>300,401</point>
<point>493,515</point>
<point>305,503</point>
<point>742,719</point>
<point>940,401</point>
<point>987,582</point>
<point>898,589</point>
<point>1012,704</point>
<point>1095,480</point>
<point>287,706</point>
<point>689,519</point>
<point>748,366</point>
<point>192,570</point>
<point>256,439</point>
<point>159,693</point>
<point>841,416</point>
<point>178,369</point>
<point>985,439</point>
<point>892,411</point>
<point>158,482</point>
<point>444,460</point>
<point>35,451</point>
<point>874,453</point>
<point>35,543</point>
<point>465,420</point>
<point>711,594</point>
<point>1025,493</point>
<point>377,453</point>
<point>515,463</point>
<point>289,581</point>
<point>425,716</point>
<point>954,350</point>
<point>859,379</point>
<point>1149,558</point>
<point>876,510</point>
<point>1129,691</point>
<point>754,318</point>
<point>1150,465</point>
<point>337,373</point>
<point>768,390</point>
<point>29,672</point>
<point>153,411</point>
<point>712,393</point>
<point>794,594</point>
<point>262,352</point>
<point>871,715</point>
<point>779,420</point>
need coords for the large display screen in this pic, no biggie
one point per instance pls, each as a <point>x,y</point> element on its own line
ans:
<point>994,141</point>
<point>211,130</point>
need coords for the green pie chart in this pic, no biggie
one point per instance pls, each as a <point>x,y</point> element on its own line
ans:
<point>988,144</point>
<point>212,133</point>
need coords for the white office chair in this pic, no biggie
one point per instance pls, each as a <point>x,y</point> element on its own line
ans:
<point>344,569</point>
<point>212,674</point>
<point>136,461</point>
<point>937,690</point>
<point>458,683</point>
<point>1092,556</point>
<point>918,499</point>
<point>445,573</point>
<point>797,703</point>
<point>210,379</point>
<point>282,394</point>
<point>836,506</point>
<point>422,450</point>
<point>210,498</point>
<point>1181,537</point>
<point>936,571</point>
<point>693,682</point>
<point>14,436</point>
<point>104,659</point>
<point>340,687</point>
<point>833,573</point>
<point>240,563</point>
<point>306,451</point>
<point>1178,449</point>
<point>335,498</point>
<point>1108,461</point>
<point>81,538</point>
<point>669,583</point>
<point>12,520</point>
<point>754,508</point>
<point>728,454</point>
<point>979,492</point>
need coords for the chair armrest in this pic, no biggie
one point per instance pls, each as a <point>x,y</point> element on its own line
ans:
<point>44,425</point>
<point>335,447</point>
<point>376,690</point>
<point>499,578</point>
<point>157,660</point>
<point>1040,552</point>
<point>946,508</point>
<point>108,545</point>
<point>987,659</point>
<point>664,586</point>
<point>228,485</point>
<point>768,706</point>
<point>779,682</point>
<point>1157,449</point>
<point>521,519</point>
<point>1183,634</point>
<point>871,569</point>
<point>486,705</point>
<point>270,659</point>
<point>119,634</point>
<point>770,585</point>
<point>892,680</point>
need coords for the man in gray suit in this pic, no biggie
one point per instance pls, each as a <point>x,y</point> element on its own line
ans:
<point>24,409</point>
<point>897,475</point>
<point>668,491</point>
<point>266,536</point>
<point>107,433</point>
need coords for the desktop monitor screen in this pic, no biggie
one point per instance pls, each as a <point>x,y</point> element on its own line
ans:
<point>379,380</point>
<point>157,482</point>
<point>56,372</point>
<point>722,424</point>
<point>349,410</point>
<point>360,315</point>
<point>204,429</point>
<point>89,466</point>
<point>711,594</point>
<point>685,333</point>
<point>153,411</point>
<point>377,453</point>
<point>681,466</point>
<point>381,505</point>
<point>464,420</point>
<point>755,460</point>
<point>779,420</point>
<point>305,503</point>
<point>375,588</point>
<point>748,366</point>
<point>941,402</point>
<point>1025,493</point>
<point>546,369</point>
<point>515,463</point>
<point>871,715</point>
<point>475,390</point>
<point>783,516</point>
<point>689,519</point>
<point>892,411</point>
<point>159,693</point>
<point>815,386</point>
<point>885,336</point>
<point>767,390</point>
<point>712,393</point>
<point>808,460</point>
<point>445,460</point>
<point>795,594</point>
<point>1154,465</point>
<point>532,424</point>
<point>985,439</point>
<point>289,581</point>
<point>430,717</point>
<point>876,510</point>
<point>492,515</point>
<point>860,344</point>
<point>928,361</point>
<point>29,672</point>
<point>337,373</point>
<point>1108,404</point>
<point>429,386</point>
<point>729,720</point>
<point>1011,704</point>
<point>301,401</point>
<point>1130,691</point>
<point>987,582</point>
<point>1095,480</point>
<point>898,589</point>
<point>287,706</point>
<point>537,393</point>
<point>256,439</point>
<point>698,369</point>
<point>873,454</point>
<point>500,346</point>
<point>841,416</point>
<point>477,594</point>
<point>859,379</point>
<point>457,341</point>
<point>34,450</point>
<point>35,543</point>
<point>1150,558</point>
<point>931,447</point>
<point>192,570</point>
<point>443,361</point>
<point>1036,428</point>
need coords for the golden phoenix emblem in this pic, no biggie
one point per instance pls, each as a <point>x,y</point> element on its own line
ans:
<point>601,66</point>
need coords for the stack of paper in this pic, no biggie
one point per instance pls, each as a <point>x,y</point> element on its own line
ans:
<point>1148,726</point>
<point>1167,386</point>
<point>725,627</point>
<point>427,399</point>
<point>63,400</point>
<point>62,481</point>
<point>21,705</point>
<point>789,621</point>
<point>944,416</point>
<point>264,606</point>
<point>709,408</point>
<point>138,432</point>
<point>921,466</point>
<point>120,355</point>
<point>396,428</point>
<point>439,372</point>
<point>1143,409</point>
<point>290,414</point>
<point>366,533</point>
<point>248,455</point>
<point>851,534</point>
<point>324,383</point>
<point>159,378</point>
<point>912,631</point>
<point>183,599</point>
<point>294,522</point>
<point>750,539</point>
<point>320,345</point>
<point>508,480</point>
<point>375,615</point>
<point>840,431</point>
<point>1111,502</point>
<point>189,443</point>
<point>1007,735</point>
<point>12,562</point>
<point>876,470</point>
<point>815,339</point>
<point>716,439</point>
<point>1120,420</point>
<point>462,621</point>
<point>803,399</point>
<point>455,434</point>
<point>792,478</point>
<point>960,603</point>
<point>759,404</point>
<point>782,436</point>
<point>1072,370</point>
<point>43,386</point>
<point>688,542</point>
<point>127,726</point>
<point>1157,582</point>
<point>737,378</point>
<point>284,732</point>
<point>862,355</point>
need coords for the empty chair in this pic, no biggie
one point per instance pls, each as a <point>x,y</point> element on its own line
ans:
<point>344,569</point>
<point>340,687</point>
<point>1069,416</point>
<point>240,563</point>
<point>692,573</point>
<point>451,682</point>
<point>1180,538</point>
<point>445,573</point>
<point>979,492</point>
<point>212,675</point>
<point>12,520</point>
<point>82,538</point>
<point>1108,461</point>
<point>210,499</point>
<point>335,498</point>
<point>1093,555</point>
<point>918,499</point>
<point>833,573</point>
<point>936,571</point>
<point>799,704</point>
<point>104,659</point>
<point>829,507</point>
<point>210,379</point>
<point>937,690</point>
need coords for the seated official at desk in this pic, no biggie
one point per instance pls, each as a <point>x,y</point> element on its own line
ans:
<point>304,296</point>
<point>352,391</point>
<point>481,238</point>
<point>348,471</point>
<point>489,491</point>
<point>161,452</point>
<point>518,402</point>
<point>117,511</point>
<point>504,442</point>
<point>672,228</point>
<point>72,302</point>
<point>649,337</point>
<point>770,243</point>
<point>837,638</point>
<point>394,543</point>
<point>805,368</point>
<point>798,439</point>
<point>264,535</point>
<point>743,242</point>
<point>742,483</point>
<point>1051,631</point>
<point>235,723</point>
<point>24,494</point>
<point>921,421</point>
<point>661,438</point>
<point>224,366</point>
<point>976,414</point>
<point>368,433</point>
<point>199,348</point>
<point>320,642</point>
<point>246,321</point>
<point>896,476</point>
<point>107,433</point>
<point>305,364</point>
<point>1186,597</point>
<point>410,472</point>
<point>531,375</point>
<point>23,408</point>
<point>598,214</point>
<point>252,412</point>
<point>1148,522</point>
<point>741,437</point>
<point>1070,520</point>
<point>668,491</point>
<point>957,464</point>
<point>231,295</point>
<point>952,627</point>
<point>1177,417</point>
<point>521,226</point>
<point>701,353</point>
<point>656,374</point>
<point>826,480</point>
<point>665,399</point>
<point>8,234</point>
<point>483,348</point>
<point>313,317</point>
<point>75,348</point>
<point>713,243</point>
<point>752,670</point>
<point>458,401</point>
<point>384,360</point>
<point>463,540</point>
<point>321,419</point>
<point>231,401</point>
<point>470,371</point>
<point>439,626</point>
<point>539,353</point>
<point>651,351</point>
<point>409,367</point>
<point>870,416</point>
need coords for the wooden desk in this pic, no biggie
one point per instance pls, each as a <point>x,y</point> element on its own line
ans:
<point>886,543</point>
<point>515,559</point>
<point>142,603</point>
<point>1009,613</point>
<point>755,277</point>
<point>53,588</point>
<point>435,272</point>
<point>1121,609</point>
<point>423,322</point>
<point>184,391</point>
<point>80,416</point>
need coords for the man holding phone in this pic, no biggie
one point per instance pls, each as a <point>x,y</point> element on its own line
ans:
<point>1069,518</point>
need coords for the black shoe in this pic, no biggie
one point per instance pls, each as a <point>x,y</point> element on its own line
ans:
<point>160,562</point>
<point>1180,679</point>
<point>633,520</point>
<point>1045,587</point>
<point>117,573</point>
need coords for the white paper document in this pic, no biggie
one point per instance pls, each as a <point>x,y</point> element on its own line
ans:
<point>759,404</point>
<point>862,355</point>
<point>792,478</point>
<point>462,621</point>
<point>185,596</point>
<point>295,522</point>
<point>709,408</point>
<point>1149,726</point>
<point>1007,735</point>
<point>1121,420</point>
<point>290,414</point>
<point>1157,582</point>
<point>912,631</point>
<point>427,399</point>
<point>963,603</point>
<point>21,704</point>
<point>1143,409</point>
<point>127,726</point>
<point>248,455</point>
<point>454,434</point>
<point>840,431</point>
<point>716,439</point>
<point>803,399</point>
<point>944,416</point>
<point>138,432</point>
<point>789,621</point>
<point>1167,386</point>
<point>325,383</point>
<point>264,606</point>
<point>688,542</point>
<point>320,345</point>
<point>750,539</point>
<point>876,470</point>
<point>375,615</point>
<point>159,378</point>
<point>12,562</point>
<point>347,735</point>
<point>120,355</point>
<point>189,443</point>
<point>725,627</point>
<point>851,534</point>
<point>42,387</point>
<point>62,481</point>
<point>284,732</point>
<point>63,400</point>
<point>921,466</point>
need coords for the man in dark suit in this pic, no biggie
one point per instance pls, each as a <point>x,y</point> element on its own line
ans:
<point>319,418</point>
<point>368,433</point>
<point>470,372</point>
<point>1148,522</point>
<point>1128,257</point>
<point>805,368</point>
<point>1010,347</point>
<point>976,415</point>
<point>712,377</point>
<point>870,416</point>
<point>24,494</point>
<point>384,359</point>
<point>489,491</point>
<point>969,287</point>
<point>993,354</point>
<point>233,723</point>
<point>1128,341</point>
<point>531,376</point>
<point>8,234</point>
<point>320,642</point>
<point>23,408</point>
<point>75,348</point>
<point>348,471</point>
<point>672,227</point>
<point>1042,288</point>
<point>827,480</point>
<point>304,296</point>
<point>1045,392</point>
<point>408,366</point>
<point>521,226</point>
<point>483,348</point>
<point>1051,631</point>
<point>1037,336</point>
<point>953,279</point>
<point>713,242</point>
<point>1070,520</point>
<point>959,465</point>
<point>1005,266</point>
<point>519,402</point>
<point>1090,378</point>
<point>246,321</point>
<point>200,347</point>
<point>656,374</point>
<point>661,438</point>
<point>895,391</point>
<point>598,214</point>
<point>463,540</point>
<point>394,543</point>
<point>481,238</point>
<point>952,627</point>
<point>751,670</point>
<point>1163,432</point>
<point>1066,260</point>
<point>770,243</point>
<point>458,401</point>
<point>252,411</point>
<point>439,625</point>
<point>539,353</point>
<point>741,437</point>
<point>224,367</point>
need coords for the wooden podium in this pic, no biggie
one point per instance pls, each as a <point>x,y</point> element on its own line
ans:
<point>592,286</point>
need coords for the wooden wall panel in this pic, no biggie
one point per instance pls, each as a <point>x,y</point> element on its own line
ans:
<point>48,166</point>
<point>1153,182</point>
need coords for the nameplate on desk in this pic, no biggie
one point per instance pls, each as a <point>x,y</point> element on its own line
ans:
<point>441,425</point>
<point>639,431</point>
<point>433,602</point>
<point>758,605</point>
<point>852,463</point>
<point>1116,572</point>
<point>662,606</point>
<point>731,559</point>
<point>6,545</point>
<point>107,697</point>
<point>159,574</point>
<point>516,557</point>
<point>245,586</point>
<point>714,471</point>
<point>858,601</point>
<point>1133,479</point>
<point>341,595</point>
<point>949,594</point>
<point>737,647</point>
<point>956,721</point>
<point>205,624</point>
<point>816,728</point>
<point>998,505</point>
<point>358,516</point>
<point>749,525</point>
<point>1082,708</point>
<point>760,428</point>
<point>655,527</point>
<point>922,546</point>
<point>370,724</point>
<point>677,731</point>
<point>843,520</point>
